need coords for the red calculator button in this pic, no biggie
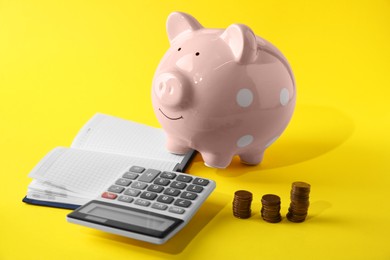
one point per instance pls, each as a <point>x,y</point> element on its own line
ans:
<point>109,195</point>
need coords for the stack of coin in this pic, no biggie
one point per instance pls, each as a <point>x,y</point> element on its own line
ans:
<point>270,210</point>
<point>299,205</point>
<point>242,204</point>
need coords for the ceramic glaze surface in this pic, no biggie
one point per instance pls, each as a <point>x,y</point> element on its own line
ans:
<point>222,92</point>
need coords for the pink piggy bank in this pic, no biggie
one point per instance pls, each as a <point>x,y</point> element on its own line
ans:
<point>221,92</point>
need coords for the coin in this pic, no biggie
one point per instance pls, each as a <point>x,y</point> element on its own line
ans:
<point>243,195</point>
<point>299,204</point>
<point>242,204</point>
<point>270,210</point>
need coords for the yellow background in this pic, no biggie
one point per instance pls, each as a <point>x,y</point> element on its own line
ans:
<point>62,61</point>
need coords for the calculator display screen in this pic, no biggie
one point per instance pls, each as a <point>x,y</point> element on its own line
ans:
<point>126,218</point>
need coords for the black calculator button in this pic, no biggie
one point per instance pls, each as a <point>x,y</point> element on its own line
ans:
<point>165,199</point>
<point>159,206</point>
<point>188,195</point>
<point>148,195</point>
<point>125,199</point>
<point>161,181</point>
<point>141,202</point>
<point>195,188</point>
<point>116,189</point>
<point>176,210</point>
<point>131,192</point>
<point>130,175</point>
<point>149,175</point>
<point>178,185</point>
<point>168,175</point>
<point>200,181</point>
<point>171,191</point>
<point>139,185</point>
<point>123,182</point>
<point>137,169</point>
<point>184,178</point>
<point>155,188</point>
<point>182,203</point>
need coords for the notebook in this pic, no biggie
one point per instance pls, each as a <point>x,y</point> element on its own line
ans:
<point>105,146</point>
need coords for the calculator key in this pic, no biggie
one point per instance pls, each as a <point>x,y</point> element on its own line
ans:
<point>165,199</point>
<point>182,203</point>
<point>200,181</point>
<point>188,195</point>
<point>178,185</point>
<point>123,182</point>
<point>137,169</point>
<point>168,175</point>
<point>130,175</point>
<point>161,181</point>
<point>116,189</point>
<point>149,175</point>
<point>184,178</point>
<point>176,210</point>
<point>194,188</point>
<point>155,188</point>
<point>171,191</point>
<point>148,195</point>
<point>141,202</point>
<point>139,185</point>
<point>131,192</point>
<point>125,198</point>
<point>108,195</point>
<point>159,206</point>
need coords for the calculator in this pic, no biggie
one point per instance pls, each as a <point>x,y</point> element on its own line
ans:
<point>145,204</point>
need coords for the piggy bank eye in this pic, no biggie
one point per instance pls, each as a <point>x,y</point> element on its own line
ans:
<point>197,54</point>
<point>179,49</point>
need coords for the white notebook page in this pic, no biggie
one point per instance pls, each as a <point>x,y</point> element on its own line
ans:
<point>48,188</point>
<point>35,195</point>
<point>88,172</point>
<point>110,134</point>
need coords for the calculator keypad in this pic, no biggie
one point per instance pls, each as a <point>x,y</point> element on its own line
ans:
<point>163,191</point>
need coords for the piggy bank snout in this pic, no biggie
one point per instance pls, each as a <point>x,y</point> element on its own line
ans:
<point>171,89</point>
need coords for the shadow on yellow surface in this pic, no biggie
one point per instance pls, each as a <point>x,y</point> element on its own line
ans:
<point>313,132</point>
<point>179,242</point>
<point>316,131</point>
<point>317,208</point>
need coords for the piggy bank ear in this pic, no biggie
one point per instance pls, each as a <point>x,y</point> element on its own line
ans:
<point>242,42</point>
<point>179,23</point>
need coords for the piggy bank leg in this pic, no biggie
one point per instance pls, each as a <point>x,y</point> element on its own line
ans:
<point>253,157</point>
<point>216,160</point>
<point>175,146</point>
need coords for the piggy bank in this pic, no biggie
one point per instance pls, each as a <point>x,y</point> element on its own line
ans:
<point>222,92</point>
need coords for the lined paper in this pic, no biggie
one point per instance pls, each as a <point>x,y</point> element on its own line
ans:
<point>88,172</point>
<point>110,134</point>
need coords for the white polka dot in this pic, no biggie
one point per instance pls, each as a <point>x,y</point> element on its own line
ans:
<point>284,96</point>
<point>244,97</point>
<point>244,141</point>
<point>271,141</point>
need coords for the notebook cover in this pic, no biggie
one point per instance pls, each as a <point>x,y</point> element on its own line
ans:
<point>50,203</point>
